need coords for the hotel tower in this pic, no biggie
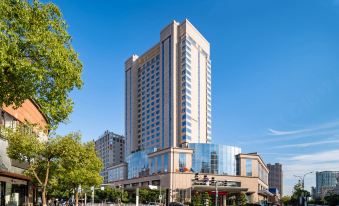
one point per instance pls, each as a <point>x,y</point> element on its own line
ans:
<point>168,127</point>
<point>168,91</point>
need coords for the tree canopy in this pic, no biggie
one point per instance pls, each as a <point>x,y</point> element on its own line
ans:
<point>298,192</point>
<point>78,167</point>
<point>111,195</point>
<point>37,60</point>
<point>332,198</point>
<point>61,164</point>
<point>41,156</point>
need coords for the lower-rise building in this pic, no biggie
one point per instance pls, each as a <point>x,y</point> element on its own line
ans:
<point>275,177</point>
<point>326,181</point>
<point>15,187</point>
<point>110,147</point>
<point>198,167</point>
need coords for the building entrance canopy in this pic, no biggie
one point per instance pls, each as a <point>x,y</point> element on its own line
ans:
<point>208,188</point>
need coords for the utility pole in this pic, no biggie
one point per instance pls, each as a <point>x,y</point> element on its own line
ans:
<point>137,197</point>
<point>160,196</point>
<point>216,193</point>
<point>92,188</point>
<point>303,202</point>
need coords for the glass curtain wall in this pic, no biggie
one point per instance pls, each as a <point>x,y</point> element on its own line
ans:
<point>213,158</point>
<point>138,163</point>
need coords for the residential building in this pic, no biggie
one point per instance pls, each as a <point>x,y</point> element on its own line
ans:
<point>336,189</point>
<point>15,187</point>
<point>168,126</point>
<point>275,177</point>
<point>110,147</point>
<point>326,181</point>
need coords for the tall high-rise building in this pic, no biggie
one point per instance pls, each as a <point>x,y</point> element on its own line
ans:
<point>168,126</point>
<point>326,181</point>
<point>168,91</point>
<point>110,147</point>
<point>275,177</point>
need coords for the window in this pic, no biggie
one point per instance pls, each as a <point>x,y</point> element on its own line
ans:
<point>152,164</point>
<point>165,162</point>
<point>159,163</point>
<point>182,160</point>
<point>249,167</point>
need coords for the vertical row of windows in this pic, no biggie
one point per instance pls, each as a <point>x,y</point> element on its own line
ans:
<point>249,167</point>
<point>186,86</point>
<point>263,175</point>
<point>149,103</point>
<point>209,100</point>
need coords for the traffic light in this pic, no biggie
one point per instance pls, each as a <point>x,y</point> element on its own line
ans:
<point>206,179</point>
<point>196,176</point>
<point>212,181</point>
<point>224,183</point>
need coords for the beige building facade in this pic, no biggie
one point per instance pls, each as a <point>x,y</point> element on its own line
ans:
<point>182,184</point>
<point>168,91</point>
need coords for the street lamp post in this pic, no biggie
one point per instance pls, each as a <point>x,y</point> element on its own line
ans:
<point>122,193</point>
<point>216,192</point>
<point>92,197</point>
<point>302,179</point>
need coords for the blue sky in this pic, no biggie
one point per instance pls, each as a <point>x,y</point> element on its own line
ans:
<point>275,72</point>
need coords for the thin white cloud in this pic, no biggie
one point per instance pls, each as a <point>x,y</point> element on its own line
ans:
<point>328,125</point>
<point>325,129</point>
<point>312,162</point>
<point>308,144</point>
<point>332,155</point>
<point>302,167</point>
<point>268,138</point>
<point>274,132</point>
<point>300,164</point>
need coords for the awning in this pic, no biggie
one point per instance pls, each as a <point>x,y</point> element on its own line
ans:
<point>265,193</point>
<point>14,175</point>
<point>206,188</point>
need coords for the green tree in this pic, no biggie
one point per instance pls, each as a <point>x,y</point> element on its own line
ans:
<point>41,156</point>
<point>196,199</point>
<point>286,200</point>
<point>112,195</point>
<point>298,191</point>
<point>206,198</point>
<point>241,199</point>
<point>148,195</point>
<point>79,166</point>
<point>332,199</point>
<point>37,60</point>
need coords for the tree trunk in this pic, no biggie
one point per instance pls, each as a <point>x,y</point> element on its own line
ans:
<point>76,197</point>
<point>43,197</point>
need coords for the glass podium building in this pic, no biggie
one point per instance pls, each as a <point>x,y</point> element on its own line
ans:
<point>214,158</point>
